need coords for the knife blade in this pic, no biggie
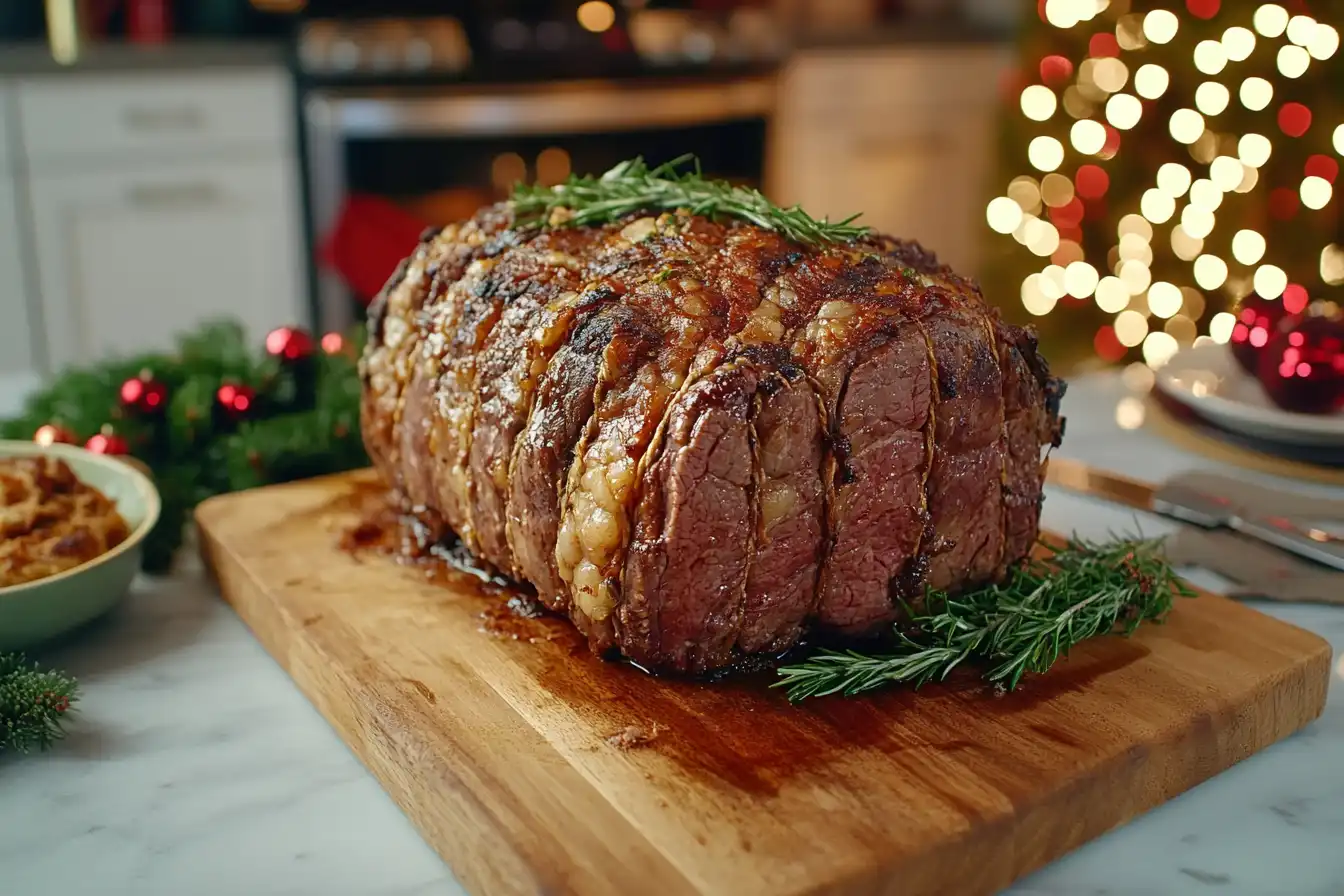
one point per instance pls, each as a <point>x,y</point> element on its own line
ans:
<point>1188,505</point>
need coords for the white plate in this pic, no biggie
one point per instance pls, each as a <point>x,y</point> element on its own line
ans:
<point>1208,380</point>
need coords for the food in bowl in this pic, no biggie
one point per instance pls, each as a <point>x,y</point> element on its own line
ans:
<point>50,521</point>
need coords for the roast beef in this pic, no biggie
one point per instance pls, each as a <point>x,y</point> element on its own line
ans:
<point>700,440</point>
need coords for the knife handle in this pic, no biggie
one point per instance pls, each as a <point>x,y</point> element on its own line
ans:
<point>1283,533</point>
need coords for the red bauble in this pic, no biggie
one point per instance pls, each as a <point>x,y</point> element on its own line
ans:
<point>144,395</point>
<point>235,403</point>
<point>51,434</point>
<point>107,443</point>
<point>289,344</point>
<point>1258,319</point>
<point>1302,367</point>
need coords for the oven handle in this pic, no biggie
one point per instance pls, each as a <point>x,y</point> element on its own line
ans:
<point>586,107</point>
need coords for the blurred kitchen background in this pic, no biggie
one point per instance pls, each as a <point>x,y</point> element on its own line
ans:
<point>165,162</point>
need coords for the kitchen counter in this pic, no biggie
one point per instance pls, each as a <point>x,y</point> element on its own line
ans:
<point>196,767</point>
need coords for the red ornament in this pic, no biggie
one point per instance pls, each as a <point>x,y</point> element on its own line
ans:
<point>1056,69</point>
<point>1294,119</point>
<point>1107,346</point>
<point>144,395</point>
<point>1091,182</point>
<point>333,343</point>
<point>51,434</point>
<point>107,442</point>
<point>235,402</point>
<point>1257,321</point>
<point>1102,45</point>
<point>289,344</point>
<point>1203,9</point>
<point>1302,368</point>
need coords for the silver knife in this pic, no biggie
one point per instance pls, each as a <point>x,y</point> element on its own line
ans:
<point>1188,505</point>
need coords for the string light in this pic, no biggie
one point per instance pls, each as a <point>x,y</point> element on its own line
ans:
<point>1173,179</point>
<point>1034,298</point>
<point>1196,221</point>
<point>1220,327</point>
<point>1087,136</point>
<point>1038,102</point>
<point>1151,81</point>
<point>1003,214</point>
<point>1205,148</point>
<point>1026,193</point>
<point>1110,74</point>
<point>1300,29</point>
<point>1054,275</point>
<point>1158,348</point>
<point>1249,178</point>
<point>1211,98</point>
<point>1192,305</point>
<point>1056,190</point>
<point>1337,139</point>
<point>1210,271</point>
<point>1134,246</point>
<point>1080,279</point>
<point>1185,246</point>
<point>1160,26</point>
<point>1256,93</point>
<point>1324,42</point>
<point>1124,110</point>
<point>596,15</point>
<point>1254,150</point>
<point>1226,173</point>
<point>1210,57</point>
<point>1332,265</point>
<point>1238,43</point>
<point>1129,32</point>
<point>1270,281</point>
<point>1186,125</point>
<point>1205,195</point>
<point>1293,61</point>
<point>1164,299</point>
<point>1042,238</point>
<point>1157,206</point>
<point>1182,329</point>
<point>1315,192</point>
<point>1271,20</point>
<point>1135,276</point>
<point>1248,246</point>
<point>1045,153</point>
<point>1130,327</point>
<point>1112,296</point>
<point>1136,224</point>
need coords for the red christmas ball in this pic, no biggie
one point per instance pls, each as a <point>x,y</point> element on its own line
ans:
<point>1302,367</point>
<point>1258,319</point>
<point>235,402</point>
<point>107,442</point>
<point>144,395</point>
<point>289,344</point>
<point>51,434</point>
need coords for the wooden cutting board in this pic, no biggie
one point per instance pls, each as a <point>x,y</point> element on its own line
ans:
<point>533,767</point>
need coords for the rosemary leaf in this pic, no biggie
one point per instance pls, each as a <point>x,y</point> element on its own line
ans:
<point>633,186</point>
<point>1023,625</point>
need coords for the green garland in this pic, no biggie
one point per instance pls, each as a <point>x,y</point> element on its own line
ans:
<point>33,704</point>
<point>303,420</point>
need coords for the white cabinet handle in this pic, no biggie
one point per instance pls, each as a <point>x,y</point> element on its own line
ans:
<point>178,118</point>
<point>159,195</point>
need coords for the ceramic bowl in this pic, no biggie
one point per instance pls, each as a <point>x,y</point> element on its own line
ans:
<point>40,610</point>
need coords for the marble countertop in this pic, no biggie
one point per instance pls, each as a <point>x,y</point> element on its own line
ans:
<point>196,768</point>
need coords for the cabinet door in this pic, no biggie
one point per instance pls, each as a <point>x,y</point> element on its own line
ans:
<point>16,332</point>
<point>126,260</point>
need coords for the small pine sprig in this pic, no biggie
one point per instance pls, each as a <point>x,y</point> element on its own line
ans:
<point>1025,624</point>
<point>633,186</point>
<point>34,704</point>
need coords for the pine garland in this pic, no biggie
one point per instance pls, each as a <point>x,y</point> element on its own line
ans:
<point>34,704</point>
<point>303,419</point>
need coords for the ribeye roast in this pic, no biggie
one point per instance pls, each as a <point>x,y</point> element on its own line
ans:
<point>699,439</point>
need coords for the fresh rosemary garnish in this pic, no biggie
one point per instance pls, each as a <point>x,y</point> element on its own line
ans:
<point>1025,624</point>
<point>633,186</point>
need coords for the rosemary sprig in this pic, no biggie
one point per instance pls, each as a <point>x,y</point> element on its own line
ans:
<point>633,186</point>
<point>1025,624</point>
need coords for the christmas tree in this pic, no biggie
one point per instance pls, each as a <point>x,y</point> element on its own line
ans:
<point>1167,173</point>
<point>218,415</point>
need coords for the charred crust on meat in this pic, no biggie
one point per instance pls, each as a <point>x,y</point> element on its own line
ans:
<point>430,232</point>
<point>947,383</point>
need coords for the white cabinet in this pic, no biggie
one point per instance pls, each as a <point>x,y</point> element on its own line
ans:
<point>150,202</point>
<point>16,332</point>
<point>903,135</point>
<point>128,259</point>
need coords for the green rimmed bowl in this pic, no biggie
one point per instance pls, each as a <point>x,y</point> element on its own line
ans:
<point>40,610</point>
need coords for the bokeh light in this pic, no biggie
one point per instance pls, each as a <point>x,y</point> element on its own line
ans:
<point>1210,271</point>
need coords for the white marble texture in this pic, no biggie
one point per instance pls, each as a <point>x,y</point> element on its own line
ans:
<point>196,768</point>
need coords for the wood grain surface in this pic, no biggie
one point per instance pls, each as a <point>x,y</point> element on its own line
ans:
<point>533,767</point>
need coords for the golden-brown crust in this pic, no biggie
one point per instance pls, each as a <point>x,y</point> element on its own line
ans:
<point>50,521</point>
